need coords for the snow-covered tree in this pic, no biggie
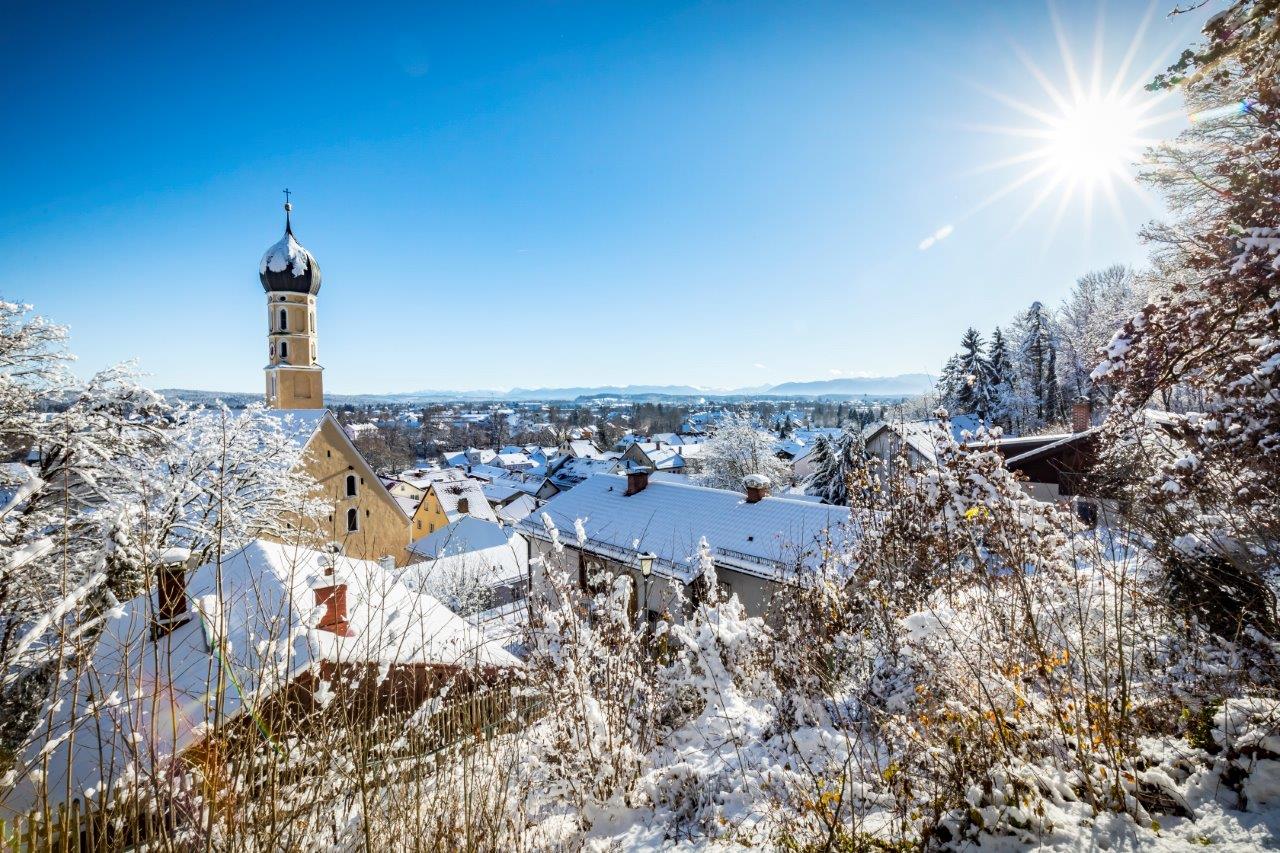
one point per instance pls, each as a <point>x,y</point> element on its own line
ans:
<point>1035,358</point>
<point>823,465</point>
<point>216,479</point>
<point>839,468</point>
<point>974,393</point>
<point>1002,379</point>
<point>106,477</point>
<point>1216,328</point>
<point>1098,305</point>
<point>739,448</point>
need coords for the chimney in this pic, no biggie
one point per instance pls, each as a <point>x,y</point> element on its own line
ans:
<point>334,600</point>
<point>464,506</point>
<point>756,486</point>
<point>171,593</point>
<point>637,480</point>
<point>1081,415</point>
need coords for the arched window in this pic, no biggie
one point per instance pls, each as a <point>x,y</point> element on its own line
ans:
<point>312,326</point>
<point>284,320</point>
<point>351,485</point>
<point>284,349</point>
<point>353,520</point>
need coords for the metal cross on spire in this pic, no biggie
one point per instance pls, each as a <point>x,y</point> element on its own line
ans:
<point>288,226</point>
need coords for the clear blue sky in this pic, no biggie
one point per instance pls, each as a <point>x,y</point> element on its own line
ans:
<point>711,193</point>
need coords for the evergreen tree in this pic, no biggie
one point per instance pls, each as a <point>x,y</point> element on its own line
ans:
<point>823,463</point>
<point>973,396</point>
<point>1001,366</point>
<point>1034,362</point>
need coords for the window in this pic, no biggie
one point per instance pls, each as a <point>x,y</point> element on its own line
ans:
<point>284,349</point>
<point>353,520</point>
<point>351,485</point>
<point>284,320</point>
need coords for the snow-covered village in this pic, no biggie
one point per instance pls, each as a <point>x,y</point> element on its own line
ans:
<point>806,427</point>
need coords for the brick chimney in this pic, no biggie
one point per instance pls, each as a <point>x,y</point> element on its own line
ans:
<point>334,600</point>
<point>637,480</point>
<point>1081,415</point>
<point>464,506</point>
<point>171,593</point>
<point>756,486</point>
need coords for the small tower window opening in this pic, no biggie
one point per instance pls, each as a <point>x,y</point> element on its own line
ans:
<point>353,520</point>
<point>351,486</point>
<point>284,320</point>
<point>312,327</point>
<point>284,349</point>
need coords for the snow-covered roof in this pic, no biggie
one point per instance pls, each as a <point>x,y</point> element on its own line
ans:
<point>665,458</point>
<point>465,535</point>
<point>574,471</point>
<point>482,548</point>
<point>450,494</point>
<point>583,449</point>
<point>667,519</point>
<point>518,509</point>
<point>253,616</point>
<point>408,505</point>
<point>298,425</point>
<point>420,478</point>
<point>285,254</point>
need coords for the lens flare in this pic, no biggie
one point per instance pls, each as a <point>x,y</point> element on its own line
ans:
<point>1085,132</point>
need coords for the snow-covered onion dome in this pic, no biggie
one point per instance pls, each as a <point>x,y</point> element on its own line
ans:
<point>287,266</point>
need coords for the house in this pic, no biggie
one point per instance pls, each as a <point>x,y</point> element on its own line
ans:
<point>1063,467</point>
<point>571,472</point>
<point>518,461</point>
<point>414,482</point>
<point>580,449</point>
<point>472,552</point>
<point>756,542</point>
<point>366,521</point>
<point>449,501</point>
<point>517,510</point>
<point>654,456</point>
<point>268,627</point>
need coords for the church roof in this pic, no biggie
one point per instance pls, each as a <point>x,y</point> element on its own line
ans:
<point>288,267</point>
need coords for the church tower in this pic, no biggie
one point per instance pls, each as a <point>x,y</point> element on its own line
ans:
<point>291,278</point>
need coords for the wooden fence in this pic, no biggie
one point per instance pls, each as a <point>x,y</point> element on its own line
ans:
<point>89,827</point>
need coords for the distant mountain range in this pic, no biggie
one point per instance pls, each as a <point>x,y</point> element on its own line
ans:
<point>903,385</point>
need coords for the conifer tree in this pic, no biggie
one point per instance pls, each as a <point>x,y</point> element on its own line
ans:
<point>974,393</point>
<point>1001,380</point>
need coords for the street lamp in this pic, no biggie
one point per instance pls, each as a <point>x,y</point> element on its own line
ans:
<point>646,572</point>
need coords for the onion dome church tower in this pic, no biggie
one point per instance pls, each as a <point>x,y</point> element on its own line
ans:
<point>291,278</point>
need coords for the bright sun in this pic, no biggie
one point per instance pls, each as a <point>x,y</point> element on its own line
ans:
<point>1094,141</point>
<point>1084,136</point>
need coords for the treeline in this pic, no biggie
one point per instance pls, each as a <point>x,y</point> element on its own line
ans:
<point>1027,375</point>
